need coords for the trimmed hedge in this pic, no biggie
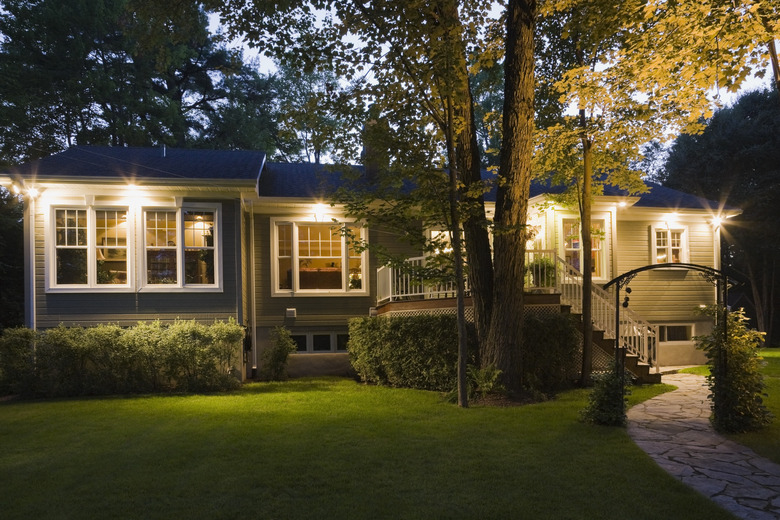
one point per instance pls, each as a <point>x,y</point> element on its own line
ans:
<point>412,351</point>
<point>422,351</point>
<point>64,361</point>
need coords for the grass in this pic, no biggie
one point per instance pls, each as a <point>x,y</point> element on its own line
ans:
<point>702,370</point>
<point>327,448</point>
<point>765,441</point>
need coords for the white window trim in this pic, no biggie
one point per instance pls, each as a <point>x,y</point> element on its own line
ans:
<point>685,254</point>
<point>50,251</point>
<point>136,250</point>
<point>605,245</point>
<point>296,291</point>
<point>180,286</point>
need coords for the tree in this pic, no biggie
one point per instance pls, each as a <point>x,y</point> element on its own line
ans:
<point>11,261</point>
<point>736,161</point>
<point>312,112</point>
<point>417,55</point>
<point>247,118</point>
<point>105,72</point>
<point>611,103</point>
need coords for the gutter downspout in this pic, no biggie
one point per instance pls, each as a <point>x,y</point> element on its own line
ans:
<point>252,288</point>
<point>30,314</point>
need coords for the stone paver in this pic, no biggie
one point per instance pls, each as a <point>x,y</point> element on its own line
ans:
<point>674,429</point>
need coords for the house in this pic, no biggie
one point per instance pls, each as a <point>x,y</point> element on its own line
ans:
<point>126,234</point>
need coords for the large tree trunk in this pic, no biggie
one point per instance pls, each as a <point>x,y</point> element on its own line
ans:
<point>478,257</point>
<point>503,347</point>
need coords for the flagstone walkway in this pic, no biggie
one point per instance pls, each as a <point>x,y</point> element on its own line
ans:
<point>674,429</point>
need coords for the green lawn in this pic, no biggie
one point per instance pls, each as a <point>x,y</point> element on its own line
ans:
<point>765,441</point>
<point>327,448</point>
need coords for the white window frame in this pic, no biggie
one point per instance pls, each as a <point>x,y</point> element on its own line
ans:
<point>295,289</point>
<point>180,284</point>
<point>668,230</point>
<point>51,248</point>
<point>602,242</point>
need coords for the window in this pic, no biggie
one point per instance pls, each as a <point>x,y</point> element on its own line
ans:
<point>572,245</point>
<point>90,248</point>
<point>321,342</point>
<point>317,258</point>
<point>669,333</point>
<point>669,246</point>
<point>94,248</point>
<point>180,247</point>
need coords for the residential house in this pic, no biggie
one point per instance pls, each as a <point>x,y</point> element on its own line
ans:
<point>126,234</point>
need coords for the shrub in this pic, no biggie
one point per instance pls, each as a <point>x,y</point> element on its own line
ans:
<point>549,354</point>
<point>17,366</point>
<point>273,365</point>
<point>607,401</point>
<point>735,381</point>
<point>484,381</point>
<point>106,359</point>
<point>413,352</point>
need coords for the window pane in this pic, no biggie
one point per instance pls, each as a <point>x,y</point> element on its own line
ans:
<point>300,340</point>
<point>71,266</point>
<point>320,261</point>
<point>199,266</point>
<point>341,341</point>
<point>355,273</point>
<point>320,274</point>
<point>161,266</point>
<point>285,273</point>
<point>111,250</point>
<point>198,228</point>
<point>161,229</point>
<point>71,227</point>
<point>321,342</point>
<point>284,237</point>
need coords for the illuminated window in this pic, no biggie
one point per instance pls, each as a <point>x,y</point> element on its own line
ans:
<point>572,245</point>
<point>90,248</point>
<point>318,258</point>
<point>181,247</point>
<point>669,246</point>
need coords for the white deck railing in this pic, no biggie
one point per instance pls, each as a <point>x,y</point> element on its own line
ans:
<point>638,336</point>
<point>545,272</point>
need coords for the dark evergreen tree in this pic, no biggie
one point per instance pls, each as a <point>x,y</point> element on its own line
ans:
<point>736,161</point>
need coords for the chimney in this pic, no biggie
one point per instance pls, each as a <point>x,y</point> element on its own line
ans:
<point>375,154</point>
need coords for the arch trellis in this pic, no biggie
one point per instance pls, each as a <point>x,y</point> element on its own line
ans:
<point>716,277</point>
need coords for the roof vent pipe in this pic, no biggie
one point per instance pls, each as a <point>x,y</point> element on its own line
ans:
<point>163,150</point>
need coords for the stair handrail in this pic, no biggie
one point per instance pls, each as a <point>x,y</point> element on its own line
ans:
<point>637,335</point>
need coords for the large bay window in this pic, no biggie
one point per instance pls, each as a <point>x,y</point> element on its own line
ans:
<point>669,245</point>
<point>94,248</point>
<point>317,258</point>
<point>572,245</point>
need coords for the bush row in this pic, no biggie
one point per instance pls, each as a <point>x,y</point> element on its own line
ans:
<point>422,351</point>
<point>411,351</point>
<point>108,359</point>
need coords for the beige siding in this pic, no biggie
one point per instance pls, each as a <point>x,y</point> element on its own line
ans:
<point>666,296</point>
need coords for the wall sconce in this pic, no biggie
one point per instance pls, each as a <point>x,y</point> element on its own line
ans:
<point>319,212</point>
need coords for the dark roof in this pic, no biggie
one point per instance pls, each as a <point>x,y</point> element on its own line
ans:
<point>304,180</point>
<point>293,180</point>
<point>114,162</point>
